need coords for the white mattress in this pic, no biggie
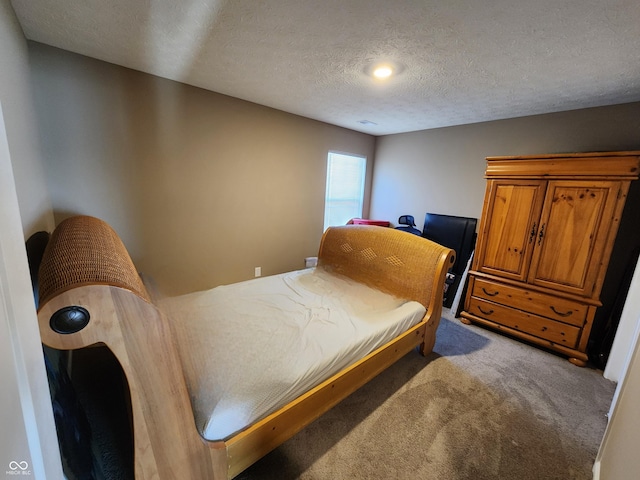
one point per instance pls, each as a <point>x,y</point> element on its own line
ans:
<point>251,347</point>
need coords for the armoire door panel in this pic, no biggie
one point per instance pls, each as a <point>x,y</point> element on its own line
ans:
<point>512,214</point>
<point>573,227</point>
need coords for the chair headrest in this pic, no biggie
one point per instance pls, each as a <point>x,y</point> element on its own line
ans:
<point>407,220</point>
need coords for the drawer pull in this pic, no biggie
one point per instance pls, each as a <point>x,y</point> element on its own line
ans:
<point>561,314</point>
<point>490,294</point>
<point>487,312</point>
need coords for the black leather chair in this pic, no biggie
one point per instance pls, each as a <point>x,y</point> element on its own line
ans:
<point>458,233</point>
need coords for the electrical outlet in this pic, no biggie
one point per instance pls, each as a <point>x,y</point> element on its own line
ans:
<point>258,271</point>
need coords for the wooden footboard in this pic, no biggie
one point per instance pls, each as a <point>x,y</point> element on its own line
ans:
<point>91,294</point>
<point>395,262</point>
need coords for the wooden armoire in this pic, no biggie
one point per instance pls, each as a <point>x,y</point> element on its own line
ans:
<point>545,238</point>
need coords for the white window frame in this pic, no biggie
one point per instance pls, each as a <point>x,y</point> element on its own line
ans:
<point>344,200</point>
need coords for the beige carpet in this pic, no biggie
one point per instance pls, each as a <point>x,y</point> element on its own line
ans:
<point>482,406</point>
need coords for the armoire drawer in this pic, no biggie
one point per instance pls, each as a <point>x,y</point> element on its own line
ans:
<point>556,332</point>
<point>555,308</point>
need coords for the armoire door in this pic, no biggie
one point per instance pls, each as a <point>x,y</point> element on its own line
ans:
<point>510,225</point>
<point>575,222</point>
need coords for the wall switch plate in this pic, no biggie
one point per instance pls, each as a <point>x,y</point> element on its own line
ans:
<point>258,271</point>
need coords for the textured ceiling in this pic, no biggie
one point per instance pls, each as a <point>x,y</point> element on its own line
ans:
<point>463,61</point>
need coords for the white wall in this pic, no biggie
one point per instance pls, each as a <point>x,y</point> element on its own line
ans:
<point>27,431</point>
<point>28,440</point>
<point>618,457</point>
<point>624,342</point>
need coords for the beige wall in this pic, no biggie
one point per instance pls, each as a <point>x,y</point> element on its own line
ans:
<point>202,187</point>
<point>20,121</point>
<point>442,170</point>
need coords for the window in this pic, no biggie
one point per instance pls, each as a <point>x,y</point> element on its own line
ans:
<point>344,196</point>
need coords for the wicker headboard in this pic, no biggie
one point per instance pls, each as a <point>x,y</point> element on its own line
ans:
<point>86,251</point>
<point>390,260</point>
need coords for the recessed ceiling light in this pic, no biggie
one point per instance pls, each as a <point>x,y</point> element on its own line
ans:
<point>382,71</point>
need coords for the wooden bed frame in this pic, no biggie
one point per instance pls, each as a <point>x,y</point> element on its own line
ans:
<point>86,266</point>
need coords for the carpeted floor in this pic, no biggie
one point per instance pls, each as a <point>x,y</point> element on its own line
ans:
<point>482,406</point>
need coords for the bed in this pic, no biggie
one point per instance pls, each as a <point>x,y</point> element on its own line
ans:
<point>219,378</point>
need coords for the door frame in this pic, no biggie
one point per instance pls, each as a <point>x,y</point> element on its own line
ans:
<point>31,445</point>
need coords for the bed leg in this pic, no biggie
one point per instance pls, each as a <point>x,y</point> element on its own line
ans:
<point>426,348</point>
<point>432,322</point>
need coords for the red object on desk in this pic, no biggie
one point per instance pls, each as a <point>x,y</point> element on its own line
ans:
<point>363,221</point>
